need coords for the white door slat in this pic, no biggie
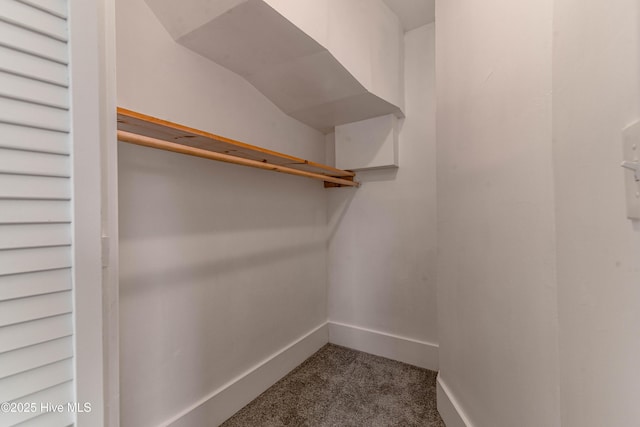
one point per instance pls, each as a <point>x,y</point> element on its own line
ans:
<point>38,283</point>
<point>17,261</point>
<point>32,163</point>
<point>30,211</point>
<point>37,307</point>
<point>33,115</point>
<point>33,43</point>
<point>33,67</point>
<point>33,19</point>
<point>59,394</point>
<point>34,187</point>
<point>17,236</point>
<point>33,139</point>
<point>30,333</point>
<point>50,419</point>
<point>35,91</point>
<point>55,7</point>
<point>25,359</point>
<point>29,382</point>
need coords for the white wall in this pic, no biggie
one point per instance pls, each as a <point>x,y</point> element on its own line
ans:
<point>221,266</point>
<point>382,246</point>
<point>596,79</point>
<point>503,238</point>
<point>497,314</point>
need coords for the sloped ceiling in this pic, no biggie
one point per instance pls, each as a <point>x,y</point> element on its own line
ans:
<point>289,67</point>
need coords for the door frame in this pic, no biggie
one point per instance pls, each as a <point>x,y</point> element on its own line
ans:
<point>94,186</point>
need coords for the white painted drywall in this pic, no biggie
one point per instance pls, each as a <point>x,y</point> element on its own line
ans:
<point>323,62</point>
<point>365,36</point>
<point>186,17</point>
<point>221,266</point>
<point>497,313</point>
<point>413,13</point>
<point>367,144</point>
<point>382,247</point>
<point>596,86</point>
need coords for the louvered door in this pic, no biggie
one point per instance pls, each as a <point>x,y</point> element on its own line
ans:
<point>36,301</point>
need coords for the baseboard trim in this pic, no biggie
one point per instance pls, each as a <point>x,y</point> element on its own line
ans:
<point>449,407</point>
<point>403,349</point>
<point>219,405</point>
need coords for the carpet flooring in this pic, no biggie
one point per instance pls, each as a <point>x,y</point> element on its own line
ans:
<point>347,388</point>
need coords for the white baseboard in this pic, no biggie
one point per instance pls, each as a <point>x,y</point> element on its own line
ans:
<point>449,408</point>
<point>217,406</point>
<point>403,349</point>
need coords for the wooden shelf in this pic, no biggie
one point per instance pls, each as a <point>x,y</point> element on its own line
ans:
<point>140,129</point>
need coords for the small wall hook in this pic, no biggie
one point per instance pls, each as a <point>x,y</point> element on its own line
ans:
<point>633,166</point>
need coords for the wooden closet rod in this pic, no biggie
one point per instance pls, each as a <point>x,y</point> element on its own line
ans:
<point>146,141</point>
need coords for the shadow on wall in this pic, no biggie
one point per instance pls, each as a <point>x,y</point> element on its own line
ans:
<point>377,175</point>
<point>338,209</point>
<point>214,221</point>
<point>211,197</point>
<point>342,198</point>
<point>212,268</point>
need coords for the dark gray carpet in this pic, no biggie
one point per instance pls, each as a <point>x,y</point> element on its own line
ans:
<point>342,387</point>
